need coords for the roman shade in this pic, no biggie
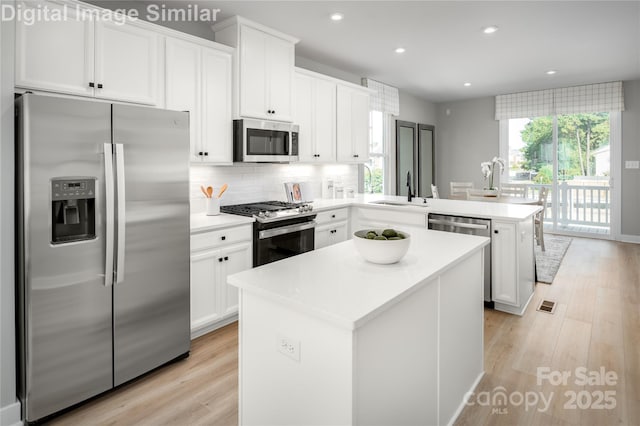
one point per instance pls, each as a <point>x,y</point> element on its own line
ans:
<point>601,97</point>
<point>385,99</point>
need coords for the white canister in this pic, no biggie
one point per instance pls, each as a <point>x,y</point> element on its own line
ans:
<point>212,206</point>
<point>339,191</point>
<point>327,188</point>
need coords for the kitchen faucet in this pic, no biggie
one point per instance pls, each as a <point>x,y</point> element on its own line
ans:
<point>409,194</point>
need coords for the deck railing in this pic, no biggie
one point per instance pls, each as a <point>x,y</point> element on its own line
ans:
<point>588,205</point>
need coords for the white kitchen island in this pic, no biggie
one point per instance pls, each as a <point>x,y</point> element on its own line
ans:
<point>328,338</point>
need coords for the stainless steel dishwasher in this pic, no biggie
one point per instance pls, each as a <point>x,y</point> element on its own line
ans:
<point>470,226</point>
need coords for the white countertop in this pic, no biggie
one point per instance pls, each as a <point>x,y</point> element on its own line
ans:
<point>353,291</point>
<point>200,222</point>
<point>487,210</point>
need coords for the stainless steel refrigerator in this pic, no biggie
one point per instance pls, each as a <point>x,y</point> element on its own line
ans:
<point>103,235</point>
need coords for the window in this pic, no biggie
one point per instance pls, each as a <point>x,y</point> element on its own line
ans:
<point>376,167</point>
<point>384,103</point>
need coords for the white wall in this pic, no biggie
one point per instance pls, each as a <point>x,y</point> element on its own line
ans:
<point>261,182</point>
<point>9,408</point>
<point>631,151</point>
<point>466,135</point>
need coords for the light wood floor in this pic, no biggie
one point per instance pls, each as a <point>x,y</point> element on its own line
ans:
<point>596,323</point>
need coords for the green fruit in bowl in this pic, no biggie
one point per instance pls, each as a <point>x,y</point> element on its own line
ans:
<point>380,237</point>
<point>389,233</point>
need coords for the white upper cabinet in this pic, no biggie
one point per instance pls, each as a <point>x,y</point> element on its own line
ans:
<point>263,67</point>
<point>126,63</point>
<point>315,113</point>
<point>198,80</point>
<point>80,56</point>
<point>55,55</point>
<point>353,125</point>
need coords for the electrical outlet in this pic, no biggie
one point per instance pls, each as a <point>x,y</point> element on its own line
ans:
<point>288,347</point>
<point>632,164</point>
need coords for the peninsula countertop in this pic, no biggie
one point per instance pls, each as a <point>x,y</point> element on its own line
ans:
<point>337,285</point>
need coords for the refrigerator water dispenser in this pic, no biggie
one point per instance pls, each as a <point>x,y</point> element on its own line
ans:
<point>73,214</point>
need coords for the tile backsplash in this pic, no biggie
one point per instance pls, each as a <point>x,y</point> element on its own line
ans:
<point>250,182</point>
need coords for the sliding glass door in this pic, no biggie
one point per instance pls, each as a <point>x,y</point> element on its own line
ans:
<point>570,155</point>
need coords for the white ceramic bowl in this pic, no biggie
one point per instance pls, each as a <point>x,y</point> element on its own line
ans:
<point>381,251</point>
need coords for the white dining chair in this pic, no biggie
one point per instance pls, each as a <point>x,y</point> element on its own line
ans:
<point>539,219</point>
<point>512,190</point>
<point>459,190</point>
<point>434,191</point>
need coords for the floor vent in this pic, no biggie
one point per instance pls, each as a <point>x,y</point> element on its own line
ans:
<point>547,306</point>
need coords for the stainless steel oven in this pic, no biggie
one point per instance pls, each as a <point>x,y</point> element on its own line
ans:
<point>259,141</point>
<point>278,240</point>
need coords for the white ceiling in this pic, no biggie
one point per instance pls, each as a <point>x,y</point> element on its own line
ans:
<point>585,41</point>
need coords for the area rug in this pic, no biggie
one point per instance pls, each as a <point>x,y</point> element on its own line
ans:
<point>548,261</point>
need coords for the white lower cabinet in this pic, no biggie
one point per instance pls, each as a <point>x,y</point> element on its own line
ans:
<point>214,256</point>
<point>332,226</point>
<point>512,257</point>
<point>369,217</point>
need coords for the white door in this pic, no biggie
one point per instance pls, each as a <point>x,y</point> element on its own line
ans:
<point>216,117</point>
<point>360,129</point>
<point>235,259</point>
<point>54,55</point>
<point>253,79</point>
<point>345,152</point>
<point>504,282</point>
<point>126,63</point>
<point>325,120</point>
<point>204,284</point>
<point>182,87</point>
<point>303,117</point>
<point>280,61</point>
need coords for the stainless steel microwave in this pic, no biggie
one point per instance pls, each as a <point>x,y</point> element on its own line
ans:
<point>259,141</point>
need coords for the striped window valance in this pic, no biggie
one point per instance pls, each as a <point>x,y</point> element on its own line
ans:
<point>385,99</point>
<point>602,97</point>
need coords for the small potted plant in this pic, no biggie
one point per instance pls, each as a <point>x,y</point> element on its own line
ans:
<point>488,171</point>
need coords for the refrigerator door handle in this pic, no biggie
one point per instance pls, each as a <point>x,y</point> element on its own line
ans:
<point>121,212</point>
<point>109,207</point>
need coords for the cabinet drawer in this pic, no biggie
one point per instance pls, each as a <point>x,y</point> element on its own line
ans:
<point>332,216</point>
<point>221,238</point>
<point>388,217</point>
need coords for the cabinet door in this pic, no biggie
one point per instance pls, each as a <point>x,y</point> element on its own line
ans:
<point>55,55</point>
<point>360,123</point>
<point>126,63</point>
<point>322,236</point>
<point>204,288</point>
<point>182,87</point>
<point>324,107</point>
<point>352,125</point>
<point>340,233</point>
<point>503,257</point>
<point>280,61</point>
<point>216,107</point>
<point>303,117</point>
<point>235,259</point>
<point>253,73</point>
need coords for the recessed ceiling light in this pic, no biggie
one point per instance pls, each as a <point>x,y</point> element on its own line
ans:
<point>551,72</point>
<point>467,84</point>
<point>400,50</point>
<point>490,29</point>
<point>337,16</point>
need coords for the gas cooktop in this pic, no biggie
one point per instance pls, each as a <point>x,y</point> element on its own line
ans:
<point>269,211</point>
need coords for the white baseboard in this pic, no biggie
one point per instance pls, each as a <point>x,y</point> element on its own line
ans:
<point>209,327</point>
<point>463,403</point>
<point>10,415</point>
<point>629,238</point>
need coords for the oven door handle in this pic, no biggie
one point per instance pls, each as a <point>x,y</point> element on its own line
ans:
<point>268,233</point>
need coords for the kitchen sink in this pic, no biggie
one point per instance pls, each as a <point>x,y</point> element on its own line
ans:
<point>398,203</point>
